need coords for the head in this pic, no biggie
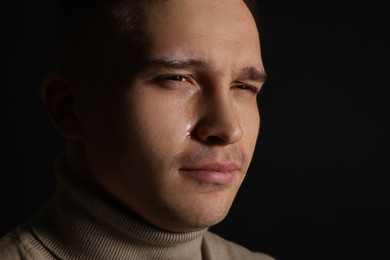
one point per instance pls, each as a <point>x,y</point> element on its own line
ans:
<point>157,102</point>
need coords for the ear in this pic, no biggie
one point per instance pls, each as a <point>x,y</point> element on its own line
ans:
<point>57,95</point>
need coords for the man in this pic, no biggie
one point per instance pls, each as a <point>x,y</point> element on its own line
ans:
<point>157,102</point>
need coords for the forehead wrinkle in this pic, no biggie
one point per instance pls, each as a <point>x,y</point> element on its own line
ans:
<point>226,39</point>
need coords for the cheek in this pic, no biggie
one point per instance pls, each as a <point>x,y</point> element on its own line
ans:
<point>100,121</point>
<point>251,126</point>
<point>158,122</point>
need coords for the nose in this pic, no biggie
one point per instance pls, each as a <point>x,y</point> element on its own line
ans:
<point>218,122</point>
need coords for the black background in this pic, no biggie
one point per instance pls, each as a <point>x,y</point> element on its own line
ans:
<point>319,184</point>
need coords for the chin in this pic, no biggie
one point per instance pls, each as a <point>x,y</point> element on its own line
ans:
<point>196,222</point>
<point>197,216</point>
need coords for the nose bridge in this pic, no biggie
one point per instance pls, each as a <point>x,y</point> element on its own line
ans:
<point>219,121</point>
<point>221,109</point>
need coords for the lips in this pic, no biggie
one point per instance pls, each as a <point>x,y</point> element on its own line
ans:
<point>214,173</point>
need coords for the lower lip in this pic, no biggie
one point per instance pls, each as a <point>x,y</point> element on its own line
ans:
<point>210,176</point>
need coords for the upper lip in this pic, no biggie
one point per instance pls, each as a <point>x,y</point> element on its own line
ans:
<point>216,167</point>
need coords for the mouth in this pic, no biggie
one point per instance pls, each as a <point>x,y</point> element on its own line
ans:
<point>214,173</point>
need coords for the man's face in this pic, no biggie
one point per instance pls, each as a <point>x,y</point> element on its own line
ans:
<point>174,145</point>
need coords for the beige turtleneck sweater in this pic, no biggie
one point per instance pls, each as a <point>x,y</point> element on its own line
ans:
<point>77,224</point>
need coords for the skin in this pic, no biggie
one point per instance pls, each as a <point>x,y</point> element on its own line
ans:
<point>174,141</point>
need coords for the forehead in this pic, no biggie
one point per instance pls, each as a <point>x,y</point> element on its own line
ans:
<point>198,14</point>
<point>201,27</point>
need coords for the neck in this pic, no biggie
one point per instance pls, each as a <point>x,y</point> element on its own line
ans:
<point>89,225</point>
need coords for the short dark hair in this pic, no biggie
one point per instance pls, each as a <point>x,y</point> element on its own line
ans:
<point>86,28</point>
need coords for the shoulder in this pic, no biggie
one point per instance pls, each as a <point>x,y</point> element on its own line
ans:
<point>15,246</point>
<point>216,247</point>
<point>10,247</point>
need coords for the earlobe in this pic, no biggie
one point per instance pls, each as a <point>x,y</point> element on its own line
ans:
<point>57,95</point>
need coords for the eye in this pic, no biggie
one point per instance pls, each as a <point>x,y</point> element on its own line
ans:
<point>246,88</point>
<point>175,81</point>
<point>176,78</point>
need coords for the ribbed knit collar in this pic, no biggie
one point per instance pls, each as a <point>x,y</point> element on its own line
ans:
<point>77,224</point>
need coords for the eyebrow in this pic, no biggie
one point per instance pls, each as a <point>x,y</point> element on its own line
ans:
<point>250,72</point>
<point>178,64</point>
<point>253,73</point>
